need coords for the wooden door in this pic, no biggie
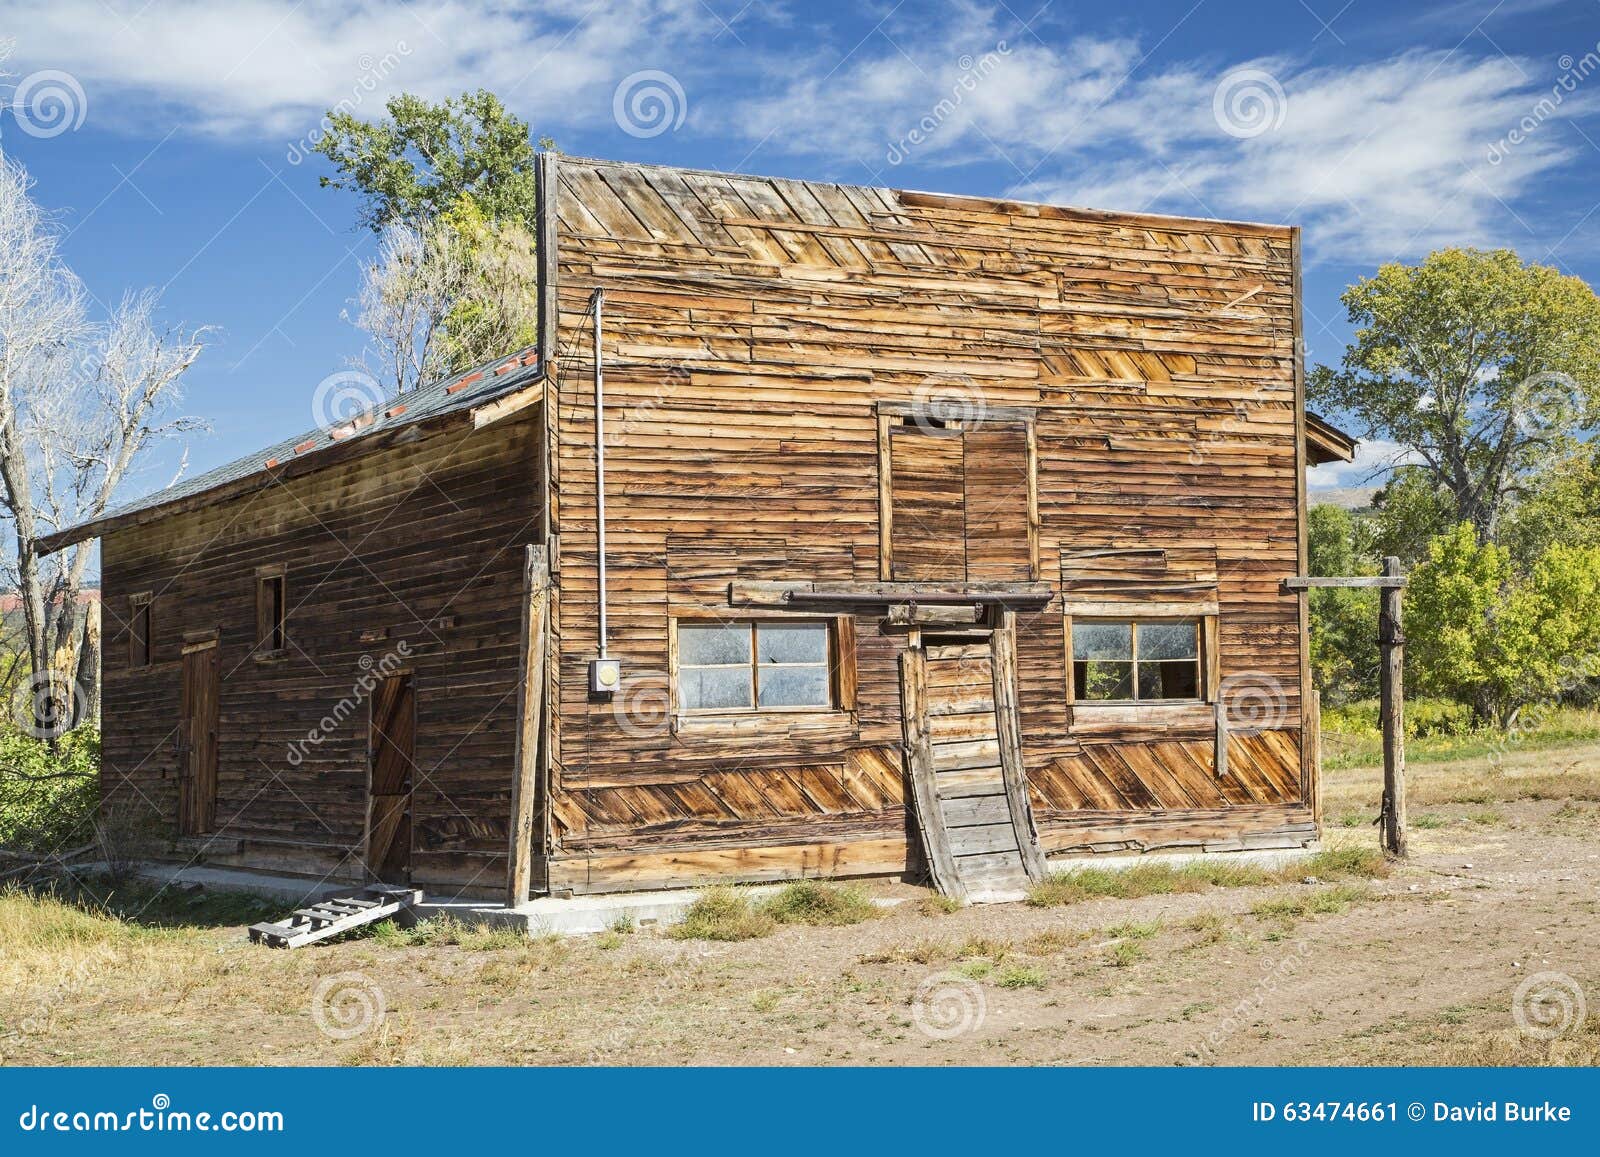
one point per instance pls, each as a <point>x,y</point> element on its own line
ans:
<point>1000,503</point>
<point>197,738</point>
<point>962,504</point>
<point>391,748</point>
<point>927,516</point>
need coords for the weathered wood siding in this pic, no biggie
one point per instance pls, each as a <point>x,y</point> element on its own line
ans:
<point>419,546</point>
<point>750,327</point>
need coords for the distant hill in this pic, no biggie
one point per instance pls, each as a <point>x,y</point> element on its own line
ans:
<point>1349,497</point>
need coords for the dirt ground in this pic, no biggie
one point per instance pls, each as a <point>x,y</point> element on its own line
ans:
<point>1430,964</point>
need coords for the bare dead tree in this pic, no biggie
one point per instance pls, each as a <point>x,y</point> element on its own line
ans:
<point>80,403</point>
<point>446,295</point>
<point>405,295</point>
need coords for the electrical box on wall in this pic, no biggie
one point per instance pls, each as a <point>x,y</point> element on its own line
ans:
<point>605,675</point>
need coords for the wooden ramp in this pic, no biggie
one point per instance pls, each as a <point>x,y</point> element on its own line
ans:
<point>965,755</point>
<point>329,918</point>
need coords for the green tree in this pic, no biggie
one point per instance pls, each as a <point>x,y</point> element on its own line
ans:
<point>1409,512</point>
<point>1482,634</point>
<point>1561,505</point>
<point>419,162</point>
<point>1480,364</point>
<point>1344,622</point>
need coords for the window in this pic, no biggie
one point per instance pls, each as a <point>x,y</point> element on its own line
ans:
<point>272,609</point>
<point>139,630</point>
<point>762,665</point>
<point>1136,660</point>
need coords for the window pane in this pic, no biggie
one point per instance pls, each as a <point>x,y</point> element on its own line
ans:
<point>1168,641</point>
<point>792,642</point>
<point>1179,679</point>
<point>1098,679</point>
<point>794,687</point>
<point>1102,641</point>
<point>710,644</point>
<point>713,688</point>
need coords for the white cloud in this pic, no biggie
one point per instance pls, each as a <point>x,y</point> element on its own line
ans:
<point>261,69</point>
<point>1379,159</point>
<point>1373,462</point>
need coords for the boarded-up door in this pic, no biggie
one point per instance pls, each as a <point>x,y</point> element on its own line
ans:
<point>391,748</point>
<point>197,738</point>
<point>961,504</point>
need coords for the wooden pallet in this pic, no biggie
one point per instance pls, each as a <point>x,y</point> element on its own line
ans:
<point>331,917</point>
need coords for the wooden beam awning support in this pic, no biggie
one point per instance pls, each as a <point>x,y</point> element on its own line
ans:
<point>1391,694</point>
<point>882,594</point>
<point>1384,581</point>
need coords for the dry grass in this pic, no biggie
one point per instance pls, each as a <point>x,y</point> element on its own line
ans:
<point>723,914</point>
<point>170,979</point>
<point>1080,884</point>
<point>734,914</point>
<point>811,902</point>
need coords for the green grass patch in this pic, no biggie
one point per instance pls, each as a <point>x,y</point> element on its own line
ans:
<point>811,902</point>
<point>1133,931</point>
<point>723,914</point>
<point>1020,976</point>
<point>1350,736</point>
<point>1322,902</point>
<point>1125,954</point>
<point>1428,820</point>
<point>938,904</point>
<point>1357,863</point>
<point>446,931</point>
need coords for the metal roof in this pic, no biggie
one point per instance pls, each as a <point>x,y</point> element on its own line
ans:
<point>463,391</point>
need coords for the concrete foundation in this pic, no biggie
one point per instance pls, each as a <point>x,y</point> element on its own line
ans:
<point>583,915</point>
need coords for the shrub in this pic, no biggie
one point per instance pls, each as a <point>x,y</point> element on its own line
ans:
<point>48,797</point>
<point>811,902</point>
<point>723,914</point>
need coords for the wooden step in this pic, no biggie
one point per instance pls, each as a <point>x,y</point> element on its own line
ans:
<point>959,706</point>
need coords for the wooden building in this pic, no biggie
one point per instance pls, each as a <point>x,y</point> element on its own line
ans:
<point>940,535</point>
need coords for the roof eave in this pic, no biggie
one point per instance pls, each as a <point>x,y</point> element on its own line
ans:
<point>502,404</point>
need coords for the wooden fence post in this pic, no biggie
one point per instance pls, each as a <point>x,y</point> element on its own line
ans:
<point>530,718</point>
<point>1391,646</point>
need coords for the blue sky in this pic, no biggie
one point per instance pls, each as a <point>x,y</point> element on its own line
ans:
<point>169,138</point>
